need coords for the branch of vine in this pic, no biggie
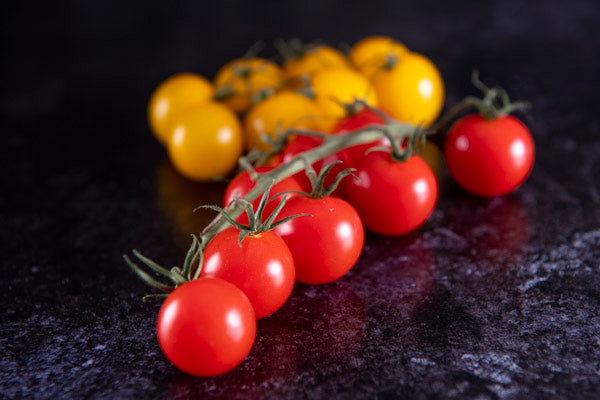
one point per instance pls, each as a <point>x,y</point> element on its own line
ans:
<point>331,144</point>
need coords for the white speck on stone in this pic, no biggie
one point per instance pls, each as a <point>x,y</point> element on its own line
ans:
<point>499,368</point>
<point>88,363</point>
<point>586,239</point>
<point>422,361</point>
<point>532,283</point>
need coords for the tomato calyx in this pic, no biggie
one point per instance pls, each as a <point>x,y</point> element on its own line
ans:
<point>244,71</point>
<point>317,181</point>
<point>403,147</point>
<point>403,144</point>
<point>277,143</point>
<point>224,92</point>
<point>354,107</point>
<point>390,61</point>
<point>177,275</point>
<point>307,90</point>
<point>495,103</point>
<point>262,94</point>
<point>293,49</point>
<point>255,225</point>
<point>254,50</point>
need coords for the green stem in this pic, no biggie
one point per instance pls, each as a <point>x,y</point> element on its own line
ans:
<point>495,103</point>
<point>331,144</point>
<point>450,115</point>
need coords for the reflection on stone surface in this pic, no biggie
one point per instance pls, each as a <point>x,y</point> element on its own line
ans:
<point>177,197</point>
<point>319,327</point>
<point>494,229</point>
<point>404,274</point>
<point>433,156</point>
<point>326,329</point>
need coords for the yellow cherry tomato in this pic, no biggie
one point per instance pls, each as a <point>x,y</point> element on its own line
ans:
<point>313,60</point>
<point>283,109</point>
<point>412,90</point>
<point>173,96</point>
<point>206,142</point>
<point>371,53</point>
<point>341,85</point>
<point>244,77</point>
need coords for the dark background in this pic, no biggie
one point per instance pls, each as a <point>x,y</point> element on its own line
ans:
<point>491,299</point>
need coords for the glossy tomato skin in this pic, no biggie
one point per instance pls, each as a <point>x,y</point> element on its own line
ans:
<point>301,144</point>
<point>326,244</point>
<point>206,327</point>
<point>283,110</point>
<point>242,184</point>
<point>262,267</point>
<point>259,74</point>
<point>489,158</point>
<point>205,141</point>
<point>412,90</point>
<point>392,198</point>
<point>174,96</point>
<point>353,155</point>
<point>369,54</point>
<point>332,86</point>
<point>317,59</point>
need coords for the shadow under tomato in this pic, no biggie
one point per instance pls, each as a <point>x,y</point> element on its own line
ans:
<point>178,196</point>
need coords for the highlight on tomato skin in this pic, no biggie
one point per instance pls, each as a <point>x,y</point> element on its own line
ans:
<point>204,336</point>
<point>489,158</point>
<point>261,266</point>
<point>392,198</point>
<point>412,89</point>
<point>205,142</point>
<point>327,243</point>
<point>173,96</point>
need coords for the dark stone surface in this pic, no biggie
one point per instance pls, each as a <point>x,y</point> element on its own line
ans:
<point>491,299</point>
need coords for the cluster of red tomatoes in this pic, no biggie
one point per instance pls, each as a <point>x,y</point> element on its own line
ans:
<point>207,326</point>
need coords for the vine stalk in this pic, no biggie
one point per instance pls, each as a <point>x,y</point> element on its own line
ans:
<point>331,144</point>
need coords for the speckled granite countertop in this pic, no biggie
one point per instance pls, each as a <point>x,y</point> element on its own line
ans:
<point>491,299</point>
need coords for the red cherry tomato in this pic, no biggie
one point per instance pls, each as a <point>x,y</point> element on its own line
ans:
<point>489,158</point>
<point>326,244</point>
<point>392,198</point>
<point>362,119</point>
<point>242,184</point>
<point>262,267</point>
<point>301,144</point>
<point>206,327</point>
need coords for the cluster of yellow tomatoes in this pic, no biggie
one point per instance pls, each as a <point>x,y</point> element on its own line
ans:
<point>206,126</point>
